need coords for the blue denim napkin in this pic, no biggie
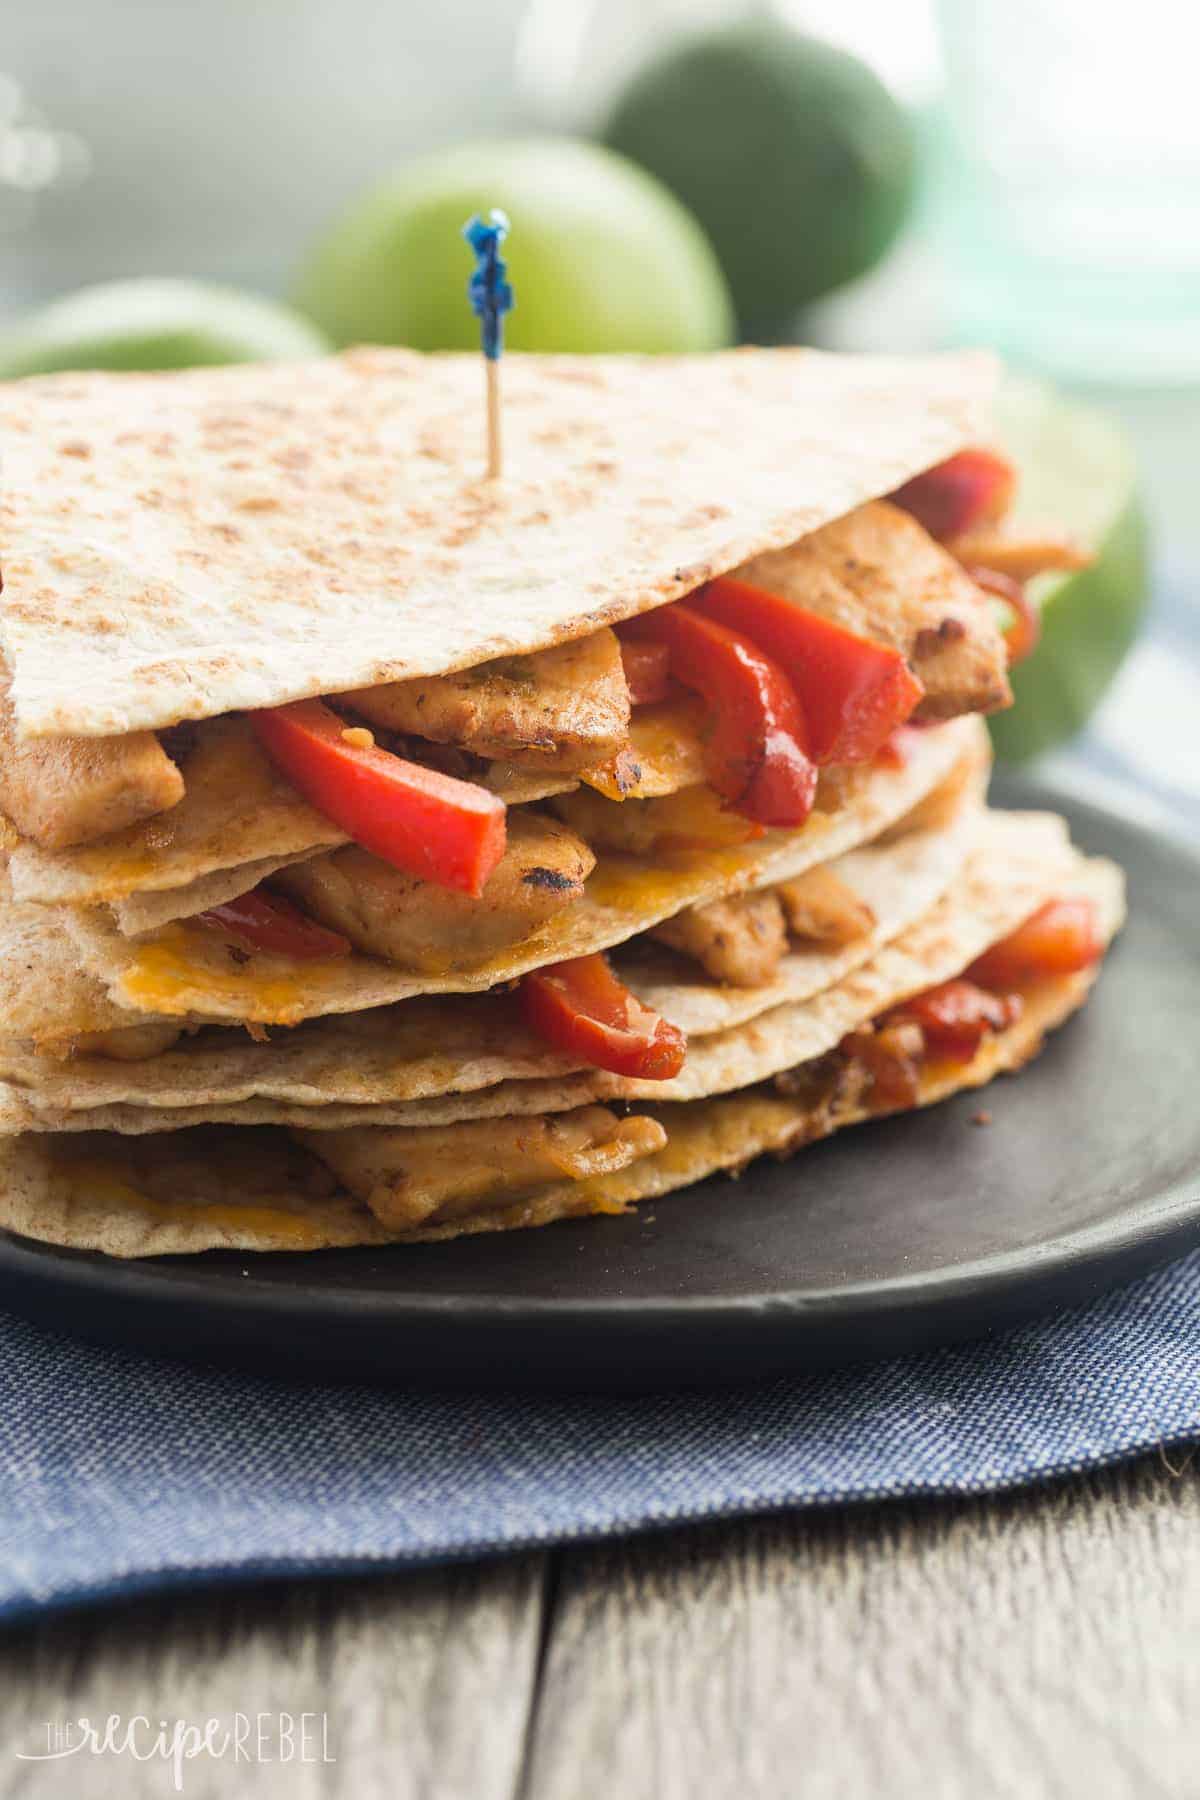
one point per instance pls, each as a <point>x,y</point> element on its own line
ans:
<point>120,1475</point>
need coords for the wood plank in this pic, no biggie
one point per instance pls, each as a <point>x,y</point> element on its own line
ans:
<point>1041,1645</point>
<point>426,1680</point>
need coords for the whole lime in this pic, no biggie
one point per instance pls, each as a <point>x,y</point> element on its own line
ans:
<point>153,324</point>
<point>601,257</point>
<point>1078,471</point>
<point>795,159</point>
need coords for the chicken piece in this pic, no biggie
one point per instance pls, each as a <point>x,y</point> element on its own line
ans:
<point>879,574</point>
<point>1021,554</point>
<point>738,941</point>
<point>878,1067</point>
<point>62,791</point>
<point>891,1055</point>
<point>128,1043</point>
<point>694,819</point>
<point>433,929</point>
<point>564,708</point>
<point>432,1174</point>
<point>820,907</point>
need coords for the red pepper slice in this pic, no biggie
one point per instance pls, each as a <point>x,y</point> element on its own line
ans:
<point>1061,938</point>
<point>582,1009</point>
<point>853,692</point>
<point>1023,632</point>
<point>753,752</point>
<point>956,1016</point>
<point>428,824</point>
<point>964,491</point>
<point>647,672</point>
<point>263,921</point>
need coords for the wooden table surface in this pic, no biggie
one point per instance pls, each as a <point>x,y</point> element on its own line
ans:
<point>1039,1644</point>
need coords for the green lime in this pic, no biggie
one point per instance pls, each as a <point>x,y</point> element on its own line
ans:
<point>795,159</point>
<point>601,257</point>
<point>1077,471</point>
<point>154,324</point>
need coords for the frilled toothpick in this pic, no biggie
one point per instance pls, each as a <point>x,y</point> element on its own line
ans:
<point>491,297</point>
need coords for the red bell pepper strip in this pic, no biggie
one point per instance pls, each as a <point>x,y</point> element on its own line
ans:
<point>1023,632</point>
<point>956,1016</point>
<point>1061,938</point>
<point>582,1009</point>
<point>647,672</point>
<point>428,824</point>
<point>966,490</point>
<point>853,692</point>
<point>754,753</point>
<point>262,921</point>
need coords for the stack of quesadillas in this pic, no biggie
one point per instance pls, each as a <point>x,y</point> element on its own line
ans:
<point>394,854</point>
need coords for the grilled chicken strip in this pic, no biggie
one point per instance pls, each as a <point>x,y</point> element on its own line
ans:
<point>62,791</point>
<point>565,708</point>
<point>431,1174</point>
<point>879,574</point>
<point>738,941</point>
<point>428,928</point>
<point>823,909</point>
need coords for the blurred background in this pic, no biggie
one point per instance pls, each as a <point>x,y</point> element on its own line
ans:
<point>876,174</point>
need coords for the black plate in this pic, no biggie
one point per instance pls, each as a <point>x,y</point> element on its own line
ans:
<point>907,1232</point>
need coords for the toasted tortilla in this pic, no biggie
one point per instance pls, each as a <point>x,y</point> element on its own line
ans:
<point>140,913</point>
<point>430,1046</point>
<point>186,544</point>
<point>1015,869</point>
<point>159,1196</point>
<point>46,995</point>
<point>180,973</point>
<point>44,991</point>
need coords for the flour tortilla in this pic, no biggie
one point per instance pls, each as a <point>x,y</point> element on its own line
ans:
<point>45,993</point>
<point>157,1196</point>
<point>190,974</point>
<point>145,912</point>
<point>1022,860</point>
<point>426,1047</point>
<point>186,544</point>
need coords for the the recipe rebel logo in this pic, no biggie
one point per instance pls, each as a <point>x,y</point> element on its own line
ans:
<point>263,1737</point>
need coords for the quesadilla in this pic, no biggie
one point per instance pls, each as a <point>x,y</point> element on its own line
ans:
<point>883,1040</point>
<point>377,834</point>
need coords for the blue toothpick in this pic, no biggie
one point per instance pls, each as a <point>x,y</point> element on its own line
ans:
<point>491,297</point>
